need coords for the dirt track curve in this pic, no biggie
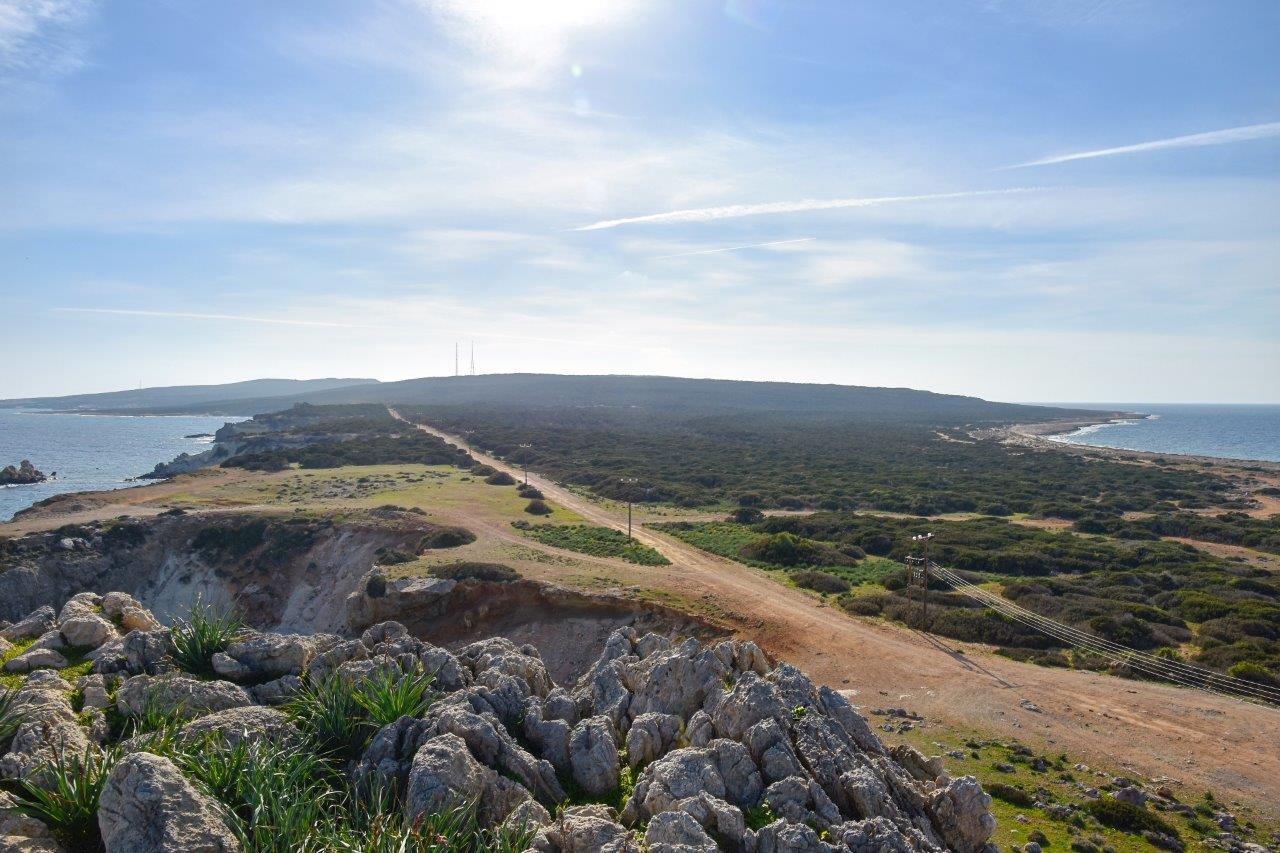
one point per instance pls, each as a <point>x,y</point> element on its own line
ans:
<point>1204,741</point>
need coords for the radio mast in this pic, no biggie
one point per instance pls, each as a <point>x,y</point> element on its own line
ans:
<point>473,358</point>
<point>455,358</point>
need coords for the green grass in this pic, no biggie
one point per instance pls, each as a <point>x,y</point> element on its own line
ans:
<point>596,541</point>
<point>1057,785</point>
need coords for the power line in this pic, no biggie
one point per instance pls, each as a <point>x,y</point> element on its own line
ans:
<point>1188,675</point>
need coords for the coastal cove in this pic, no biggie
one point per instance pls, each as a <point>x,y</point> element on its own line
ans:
<point>1244,432</point>
<point>91,452</point>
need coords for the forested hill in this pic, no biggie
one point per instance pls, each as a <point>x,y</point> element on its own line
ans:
<point>665,394</point>
<point>184,397</point>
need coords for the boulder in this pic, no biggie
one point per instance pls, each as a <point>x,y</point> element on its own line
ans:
<point>182,695</point>
<point>444,775</point>
<point>677,832</point>
<point>34,658</point>
<point>263,657</point>
<point>48,728</point>
<point>585,829</point>
<point>33,625</point>
<point>147,805</point>
<point>652,736</point>
<point>961,812</point>
<point>593,756</point>
<point>250,724</point>
<point>138,653</point>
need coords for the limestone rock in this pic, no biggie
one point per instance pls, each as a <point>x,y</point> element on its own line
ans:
<point>652,736</point>
<point>34,658</point>
<point>961,813</point>
<point>677,832</point>
<point>585,829</point>
<point>263,657</point>
<point>33,625</point>
<point>251,724</point>
<point>593,755</point>
<point>444,776</point>
<point>180,694</point>
<point>147,805</point>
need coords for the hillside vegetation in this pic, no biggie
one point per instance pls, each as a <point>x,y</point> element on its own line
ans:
<point>1160,596</point>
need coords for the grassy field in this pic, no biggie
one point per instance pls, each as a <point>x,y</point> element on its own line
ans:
<point>596,541</point>
<point>427,487</point>
<point>1001,765</point>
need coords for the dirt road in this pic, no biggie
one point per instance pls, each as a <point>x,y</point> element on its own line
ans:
<point>1203,741</point>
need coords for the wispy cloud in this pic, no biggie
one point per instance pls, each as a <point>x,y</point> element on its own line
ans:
<point>734,211</point>
<point>41,34</point>
<point>188,315</point>
<point>1194,140</point>
<point>734,248</point>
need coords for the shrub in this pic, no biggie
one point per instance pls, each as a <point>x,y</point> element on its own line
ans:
<point>746,515</point>
<point>448,537</point>
<point>530,492</point>
<point>863,605</point>
<point>538,507</point>
<point>500,478</point>
<point>1010,794</point>
<point>1127,818</point>
<point>783,549</point>
<point>1250,671</point>
<point>496,572</point>
<point>200,636</point>
<point>820,581</point>
<point>68,805</point>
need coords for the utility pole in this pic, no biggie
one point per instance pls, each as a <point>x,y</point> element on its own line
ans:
<point>924,617</point>
<point>630,483</point>
<point>524,457</point>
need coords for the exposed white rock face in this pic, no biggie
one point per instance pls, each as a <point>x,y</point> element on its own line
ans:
<point>148,806</point>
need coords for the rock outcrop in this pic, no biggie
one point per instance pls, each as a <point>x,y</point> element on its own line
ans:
<point>23,475</point>
<point>709,734</point>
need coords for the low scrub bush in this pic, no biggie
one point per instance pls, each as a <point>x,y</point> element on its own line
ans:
<point>495,572</point>
<point>820,581</point>
<point>538,507</point>
<point>448,537</point>
<point>597,541</point>
<point>1128,818</point>
<point>1011,794</point>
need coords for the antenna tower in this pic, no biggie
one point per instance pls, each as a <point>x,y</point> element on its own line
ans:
<point>455,358</point>
<point>473,358</point>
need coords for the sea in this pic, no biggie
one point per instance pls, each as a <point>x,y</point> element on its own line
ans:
<point>1249,432</point>
<point>91,452</point>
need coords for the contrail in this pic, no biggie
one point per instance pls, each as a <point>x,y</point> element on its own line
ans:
<point>733,211</point>
<point>185,315</point>
<point>733,248</point>
<point>1213,137</point>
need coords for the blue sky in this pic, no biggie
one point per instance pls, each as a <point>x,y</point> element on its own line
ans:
<point>1021,200</point>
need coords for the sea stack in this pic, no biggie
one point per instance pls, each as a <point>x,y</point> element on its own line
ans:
<point>23,475</point>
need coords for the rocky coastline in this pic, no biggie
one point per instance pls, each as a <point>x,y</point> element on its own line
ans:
<point>662,745</point>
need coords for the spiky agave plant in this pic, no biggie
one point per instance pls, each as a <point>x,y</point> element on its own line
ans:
<point>64,795</point>
<point>205,632</point>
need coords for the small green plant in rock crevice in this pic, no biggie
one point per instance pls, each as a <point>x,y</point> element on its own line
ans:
<point>200,636</point>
